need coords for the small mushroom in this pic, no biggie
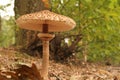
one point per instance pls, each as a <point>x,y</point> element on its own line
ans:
<point>45,21</point>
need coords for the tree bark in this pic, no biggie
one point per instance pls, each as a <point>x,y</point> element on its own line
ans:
<point>25,37</point>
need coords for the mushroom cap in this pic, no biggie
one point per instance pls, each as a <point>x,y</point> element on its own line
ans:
<point>56,22</point>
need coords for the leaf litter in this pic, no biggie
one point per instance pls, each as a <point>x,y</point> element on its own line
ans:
<point>19,66</point>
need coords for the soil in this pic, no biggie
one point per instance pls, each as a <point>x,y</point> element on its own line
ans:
<point>10,59</point>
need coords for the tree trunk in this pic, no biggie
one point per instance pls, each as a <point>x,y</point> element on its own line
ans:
<point>25,37</point>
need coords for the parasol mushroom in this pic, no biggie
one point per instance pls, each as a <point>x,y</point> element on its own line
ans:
<point>45,21</point>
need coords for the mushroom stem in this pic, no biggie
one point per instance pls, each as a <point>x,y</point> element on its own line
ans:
<point>45,28</point>
<point>45,37</point>
<point>45,62</point>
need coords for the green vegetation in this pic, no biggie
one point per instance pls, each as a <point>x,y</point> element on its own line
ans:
<point>7,28</point>
<point>7,33</point>
<point>99,23</point>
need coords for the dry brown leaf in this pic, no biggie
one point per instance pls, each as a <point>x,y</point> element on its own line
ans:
<point>23,72</point>
<point>3,77</point>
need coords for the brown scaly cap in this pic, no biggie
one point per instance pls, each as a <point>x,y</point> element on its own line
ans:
<point>56,22</point>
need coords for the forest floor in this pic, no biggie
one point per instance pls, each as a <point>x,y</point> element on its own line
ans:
<point>9,59</point>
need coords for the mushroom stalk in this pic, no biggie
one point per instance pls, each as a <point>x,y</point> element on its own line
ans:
<point>45,37</point>
<point>45,28</point>
<point>45,61</point>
